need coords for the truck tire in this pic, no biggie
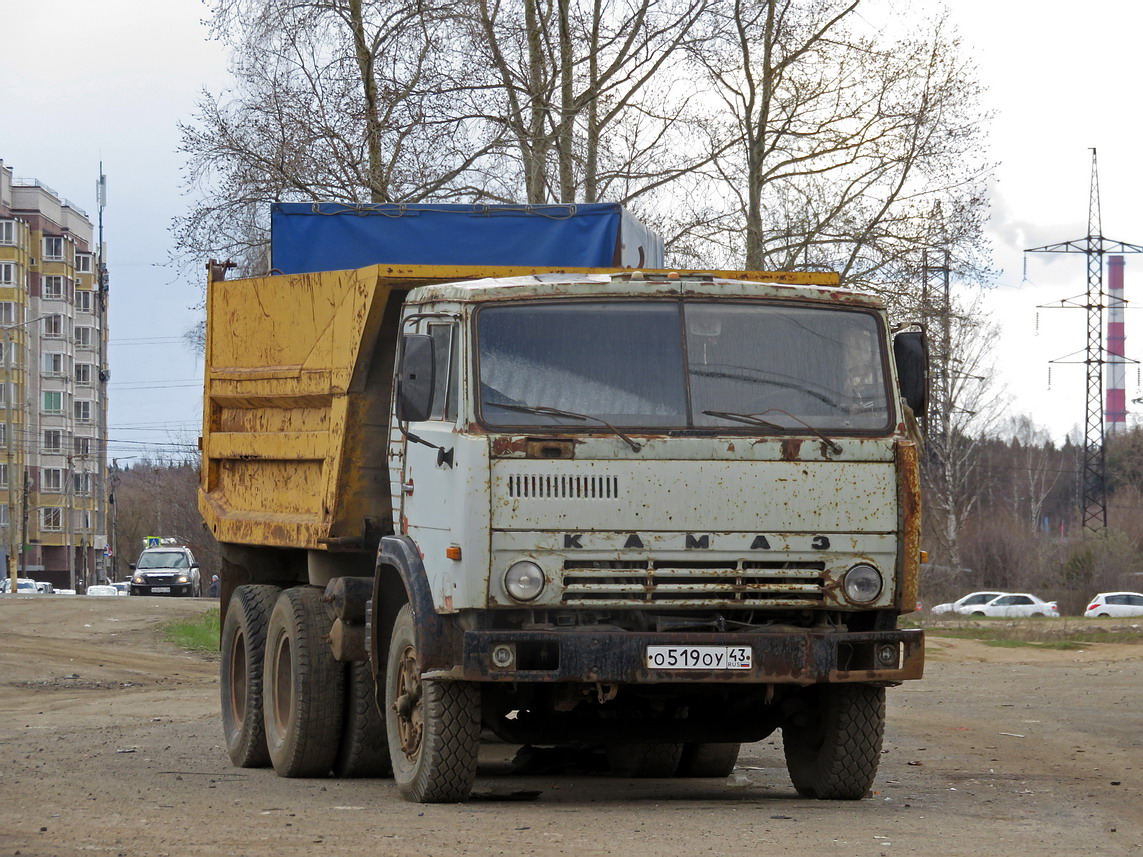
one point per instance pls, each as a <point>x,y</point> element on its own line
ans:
<point>364,750</point>
<point>708,760</point>
<point>240,675</point>
<point>433,726</point>
<point>836,756</point>
<point>644,760</point>
<point>304,686</point>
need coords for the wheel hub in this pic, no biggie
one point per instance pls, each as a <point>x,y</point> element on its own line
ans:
<point>410,722</point>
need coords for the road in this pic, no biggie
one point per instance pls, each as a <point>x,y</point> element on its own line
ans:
<point>110,744</point>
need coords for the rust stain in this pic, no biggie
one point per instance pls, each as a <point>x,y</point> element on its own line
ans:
<point>791,449</point>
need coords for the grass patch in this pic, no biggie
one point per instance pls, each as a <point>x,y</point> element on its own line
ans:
<point>1042,633</point>
<point>197,633</point>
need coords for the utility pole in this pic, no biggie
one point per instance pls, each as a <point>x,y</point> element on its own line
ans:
<point>1094,246</point>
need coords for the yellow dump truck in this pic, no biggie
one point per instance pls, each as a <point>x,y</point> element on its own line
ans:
<point>658,512</point>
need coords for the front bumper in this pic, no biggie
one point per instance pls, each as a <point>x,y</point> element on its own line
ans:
<point>162,589</point>
<point>619,657</point>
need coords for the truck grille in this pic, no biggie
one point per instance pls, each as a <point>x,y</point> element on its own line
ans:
<point>748,582</point>
<point>563,487</point>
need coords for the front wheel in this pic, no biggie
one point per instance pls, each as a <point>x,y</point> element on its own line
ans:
<point>833,746</point>
<point>433,726</point>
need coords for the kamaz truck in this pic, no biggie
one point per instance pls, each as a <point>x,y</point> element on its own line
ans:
<point>655,512</point>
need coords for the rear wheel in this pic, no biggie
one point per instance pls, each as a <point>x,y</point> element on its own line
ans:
<point>708,760</point>
<point>364,750</point>
<point>644,760</point>
<point>304,686</point>
<point>433,726</point>
<point>833,746</point>
<point>240,676</point>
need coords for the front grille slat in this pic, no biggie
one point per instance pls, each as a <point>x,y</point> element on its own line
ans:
<point>681,583</point>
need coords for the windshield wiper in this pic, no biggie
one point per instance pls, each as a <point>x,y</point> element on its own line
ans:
<point>756,420</point>
<point>544,409</point>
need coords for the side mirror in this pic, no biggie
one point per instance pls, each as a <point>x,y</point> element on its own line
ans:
<point>131,566</point>
<point>911,354</point>
<point>415,378</point>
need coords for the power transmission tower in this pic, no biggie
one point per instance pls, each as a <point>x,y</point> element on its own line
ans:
<point>1093,505</point>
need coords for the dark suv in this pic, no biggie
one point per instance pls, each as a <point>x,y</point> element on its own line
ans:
<point>166,571</point>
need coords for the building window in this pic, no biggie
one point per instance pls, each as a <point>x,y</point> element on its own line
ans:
<point>7,273</point>
<point>8,232</point>
<point>83,337</point>
<point>7,312</point>
<point>53,440</point>
<point>55,364</point>
<point>82,483</point>
<point>83,300</point>
<point>53,325</point>
<point>4,515</point>
<point>83,446</point>
<point>84,373</point>
<point>82,411</point>
<point>53,402</point>
<point>3,475</point>
<point>54,288</point>
<point>51,480</point>
<point>51,519</point>
<point>53,249</point>
<point>83,263</point>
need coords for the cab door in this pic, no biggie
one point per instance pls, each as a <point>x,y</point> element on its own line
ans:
<point>439,464</point>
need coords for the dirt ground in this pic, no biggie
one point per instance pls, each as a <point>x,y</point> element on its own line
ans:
<point>110,743</point>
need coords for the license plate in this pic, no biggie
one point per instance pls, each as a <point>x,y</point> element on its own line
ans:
<point>160,589</point>
<point>699,657</point>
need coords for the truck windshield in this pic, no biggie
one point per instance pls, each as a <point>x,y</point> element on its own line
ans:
<point>683,365</point>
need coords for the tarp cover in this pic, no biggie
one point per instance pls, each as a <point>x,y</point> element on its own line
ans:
<point>309,237</point>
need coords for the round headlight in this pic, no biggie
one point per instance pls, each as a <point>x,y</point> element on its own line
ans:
<point>524,580</point>
<point>862,584</point>
<point>138,579</point>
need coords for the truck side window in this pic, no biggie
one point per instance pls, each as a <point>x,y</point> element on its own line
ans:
<point>444,354</point>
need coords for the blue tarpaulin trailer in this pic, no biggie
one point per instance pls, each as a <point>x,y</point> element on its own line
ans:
<point>307,237</point>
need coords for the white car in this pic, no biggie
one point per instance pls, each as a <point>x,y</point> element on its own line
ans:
<point>965,605</point>
<point>1016,604</point>
<point>102,589</point>
<point>1115,604</point>
<point>24,586</point>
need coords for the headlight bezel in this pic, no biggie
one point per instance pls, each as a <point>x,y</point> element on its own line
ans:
<point>524,589</point>
<point>858,583</point>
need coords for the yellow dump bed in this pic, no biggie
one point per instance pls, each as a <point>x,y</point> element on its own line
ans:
<point>296,404</point>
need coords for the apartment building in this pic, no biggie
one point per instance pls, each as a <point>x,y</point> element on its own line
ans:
<point>53,387</point>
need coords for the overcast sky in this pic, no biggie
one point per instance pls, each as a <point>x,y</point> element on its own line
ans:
<point>86,81</point>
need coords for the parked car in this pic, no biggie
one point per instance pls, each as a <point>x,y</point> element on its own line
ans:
<point>123,587</point>
<point>1017,604</point>
<point>166,571</point>
<point>965,604</point>
<point>102,589</point>
<point>1115,604</point>
<point>24,586</point>
<point>45,588</point>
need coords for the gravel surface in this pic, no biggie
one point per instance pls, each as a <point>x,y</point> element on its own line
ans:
<point>110,743</point>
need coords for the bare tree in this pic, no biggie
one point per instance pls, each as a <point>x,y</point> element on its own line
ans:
<point>844,140</point>
<point>565,75</point>
<point>973,405</point>
<point>351,101</point>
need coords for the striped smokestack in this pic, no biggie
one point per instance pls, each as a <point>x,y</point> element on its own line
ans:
<point>1116,408</point>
